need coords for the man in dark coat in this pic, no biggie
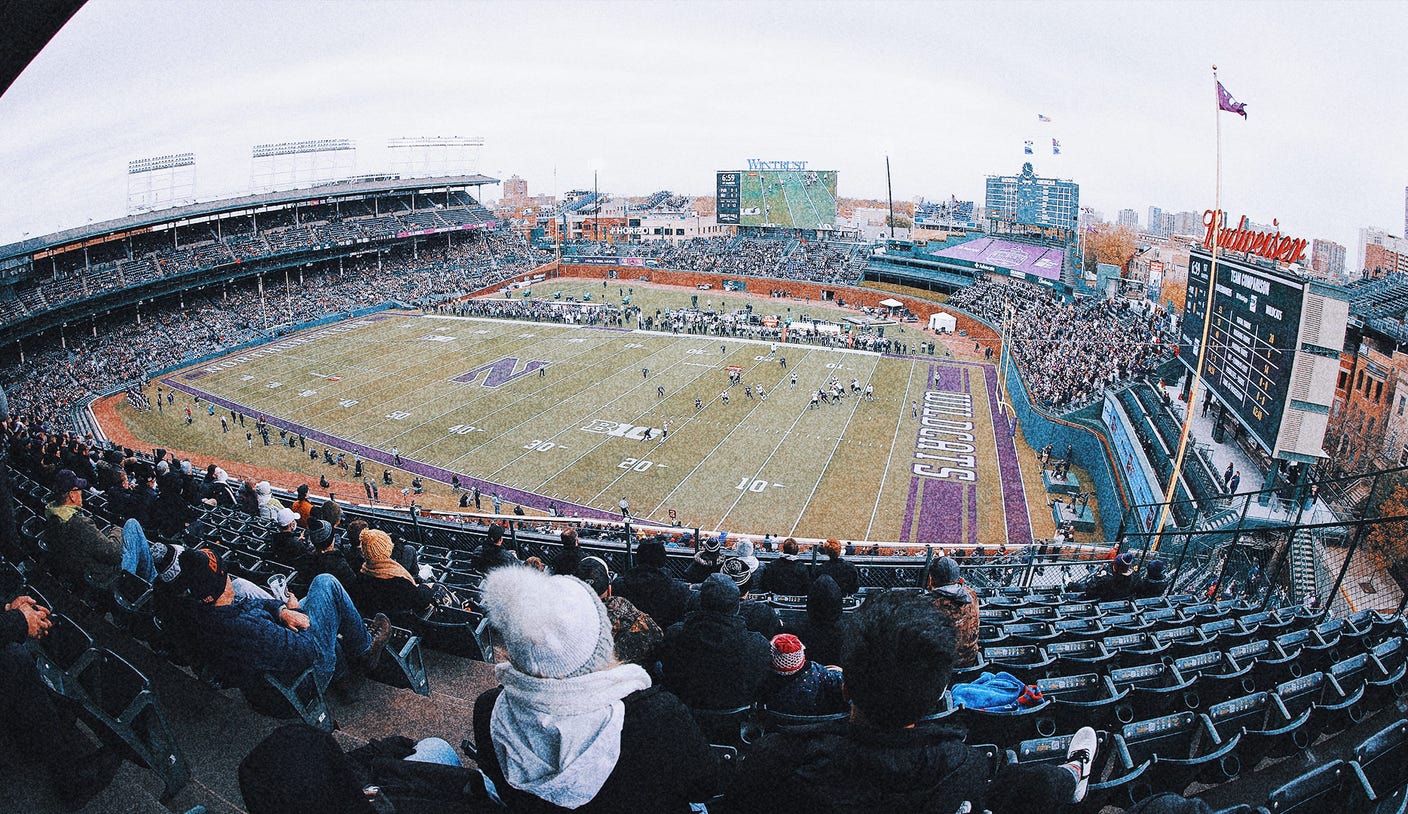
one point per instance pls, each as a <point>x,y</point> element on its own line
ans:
<point>1117,583</point>
<point>570,556</point>
<point>1154,581</point>
<point>821,629</point>
<point>491,553</point>
<point>785,575</point>
<point>649,586</point>
<point>960,604</point>
<point>885,758</point>
<point>711,660</point>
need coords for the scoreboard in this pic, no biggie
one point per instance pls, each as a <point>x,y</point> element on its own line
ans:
<point>776,194</point>
<point>727,197</point>
<point>1259,365</point>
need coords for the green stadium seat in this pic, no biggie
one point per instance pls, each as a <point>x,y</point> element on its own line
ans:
<point>1267,730</point>
<point>1181,748</point>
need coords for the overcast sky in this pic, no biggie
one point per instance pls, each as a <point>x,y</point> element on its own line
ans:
<point>660,95</point>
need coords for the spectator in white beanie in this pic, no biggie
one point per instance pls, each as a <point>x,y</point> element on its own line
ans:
<point>572,726</point>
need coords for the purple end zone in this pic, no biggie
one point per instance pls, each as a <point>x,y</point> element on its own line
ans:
<point>386,459</point>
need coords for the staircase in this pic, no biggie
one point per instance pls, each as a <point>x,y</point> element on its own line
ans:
<point>1303,564</point>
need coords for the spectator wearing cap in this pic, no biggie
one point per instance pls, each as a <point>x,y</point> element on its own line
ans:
<point>570,556</point>
<point>821,629</point>
<point>758,617</point>
<point>711,660</point>
<point>269,506</point>
<point>288,545</point>
<point>76,546</point>
<point>785,575</point>
<point>326,559</point>
<point>637,636</point>
<point>960,604</point>
<point>846,574</point>
<point>649,586</point>
<point>243,637</point>
<point>384,586</point>
<point>706,560</point>
<point>797,685</point>
<point>572,728</point>
<point>491,553</point>
<point>1154,581</point>
<point>1117,583</point>
<point>303,507</point>
<point>881,758</point>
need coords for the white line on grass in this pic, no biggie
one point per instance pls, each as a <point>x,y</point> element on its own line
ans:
<point>895,437</point>
<point>824,467</point>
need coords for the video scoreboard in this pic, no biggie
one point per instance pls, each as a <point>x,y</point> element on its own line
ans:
<point>780,194</point>
<point>1273,348</point>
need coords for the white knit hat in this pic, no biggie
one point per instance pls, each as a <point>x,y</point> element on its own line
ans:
<point>551,626</point>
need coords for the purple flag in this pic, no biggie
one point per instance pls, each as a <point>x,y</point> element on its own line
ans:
<point>1227,103</point>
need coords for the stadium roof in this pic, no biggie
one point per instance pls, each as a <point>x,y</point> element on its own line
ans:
<point>336,190</point>
<point>1037,261</point>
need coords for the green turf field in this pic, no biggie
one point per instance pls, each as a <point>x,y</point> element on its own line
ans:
<point>566,417</point>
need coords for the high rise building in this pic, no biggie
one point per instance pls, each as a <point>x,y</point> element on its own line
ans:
<point>1381,261</point>
<point>1327,258</point>
<point>1188,223</point>
<point>515,187</point>
<point>1130,218</point>
<point>1156,220</point>
<point>1028,204</point>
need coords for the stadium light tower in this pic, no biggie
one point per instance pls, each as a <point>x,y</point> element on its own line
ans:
<point>163,180</point>
<point>890,194</point>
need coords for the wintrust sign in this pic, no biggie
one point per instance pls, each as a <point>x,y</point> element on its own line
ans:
<point>1271,245</point>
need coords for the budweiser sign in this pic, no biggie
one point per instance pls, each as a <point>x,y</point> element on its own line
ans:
<point>1271,245</point>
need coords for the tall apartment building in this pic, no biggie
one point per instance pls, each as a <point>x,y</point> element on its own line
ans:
<point>515,187</point>
<point>1327,258</point>
<point>1155,221</point>
<point>1128,217</point>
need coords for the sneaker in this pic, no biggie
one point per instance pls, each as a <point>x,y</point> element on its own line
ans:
<point>1080,757</point>
<point>379,629</point>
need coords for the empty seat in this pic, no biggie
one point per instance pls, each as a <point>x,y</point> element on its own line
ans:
<point>1030,632</point>
<point>1331,708</point>
<point>1266,728</point>
<point>118,697</point>
<point>1181,748</point>
<point>1226,632</point>
<point>1080,656</point>
<point>1043,613</point>
<point>1332,788</point>
<point>1026,660</point>
<point>1270,664</point>
<point>1365,672</point>
<point>403,664</point>
<point>1005,728</point>
<point>1216,676</point>
<point>996,616</point>
<point>1134,648</point>
<point>64,652</point>
<point>1081,628</point>
<point>451,630</point>
<point>1382,758</point>
<point>1182,641</point>
<point>1155,690</point>
<point>1084,700</point>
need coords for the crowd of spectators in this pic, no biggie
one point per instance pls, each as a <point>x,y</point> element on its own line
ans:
<point>788,259</point>
<point>84,273</point>
<point>1069,353</point>
<point>51,380</point>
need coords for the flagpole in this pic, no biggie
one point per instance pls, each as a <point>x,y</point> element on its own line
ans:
<point>1207,323</point>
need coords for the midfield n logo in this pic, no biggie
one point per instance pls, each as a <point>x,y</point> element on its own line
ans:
<point>500,371</point>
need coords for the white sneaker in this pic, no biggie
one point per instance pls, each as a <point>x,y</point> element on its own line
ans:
<point>1080,758</point>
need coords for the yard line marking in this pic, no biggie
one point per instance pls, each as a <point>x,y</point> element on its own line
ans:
<point>824,467</point>
<point>800,413</point>
<point>894,439</point>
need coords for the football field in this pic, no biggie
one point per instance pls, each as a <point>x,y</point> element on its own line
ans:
<point>585,417</point>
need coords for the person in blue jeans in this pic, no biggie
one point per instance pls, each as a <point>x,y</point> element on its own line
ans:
<point>246,636</point>
<point>79,549</point>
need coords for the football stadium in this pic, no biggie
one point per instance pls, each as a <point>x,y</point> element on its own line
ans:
<point>391,487</point>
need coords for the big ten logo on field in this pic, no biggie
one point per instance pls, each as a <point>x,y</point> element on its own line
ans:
<point>501,371</point>
<point>616,429</point>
